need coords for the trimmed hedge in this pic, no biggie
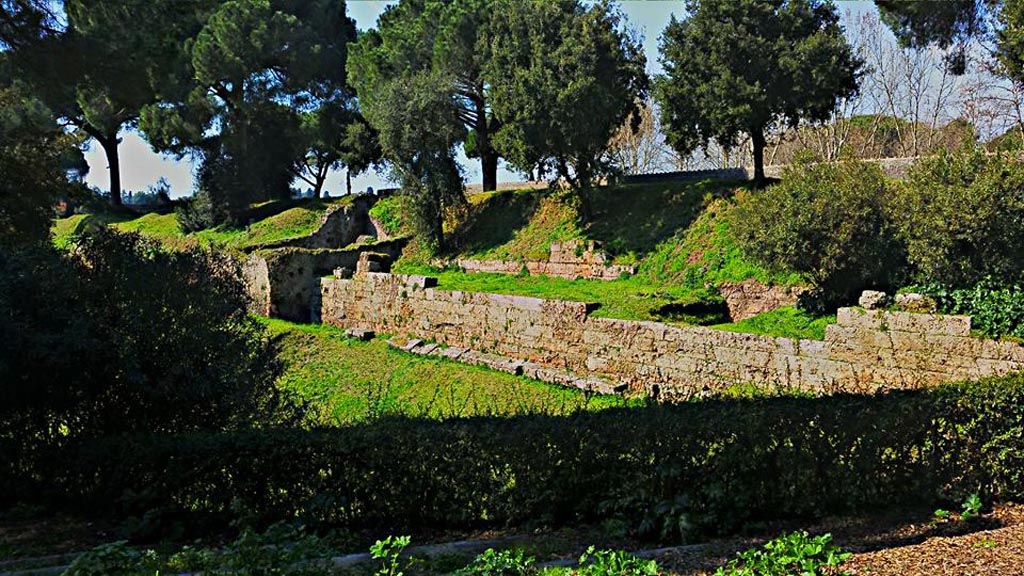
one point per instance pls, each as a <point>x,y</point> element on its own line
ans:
<point>719,463</point>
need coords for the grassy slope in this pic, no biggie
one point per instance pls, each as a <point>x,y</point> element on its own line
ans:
<point>346,381</point>
<point>295,222</point>
<point>676,234</point>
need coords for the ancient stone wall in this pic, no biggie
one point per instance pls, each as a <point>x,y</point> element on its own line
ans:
<point>573,259</point>
<point>341,225</point>
<point>284,283</point>
<point>865,350</point>
<point>749,298</point>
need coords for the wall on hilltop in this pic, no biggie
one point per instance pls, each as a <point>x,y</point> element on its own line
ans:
<point>866,350</point>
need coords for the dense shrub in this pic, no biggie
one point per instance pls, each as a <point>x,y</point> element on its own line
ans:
<point>825,220</point>
<point>124,337</point>
<point>961,217</point>
<point>707,467</point>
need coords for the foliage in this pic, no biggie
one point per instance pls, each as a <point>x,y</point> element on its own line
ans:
<point>796,553</point>
<point>441,48</point>
<point>562,123</point>
<point>116,559</point>
<point>741,66</point>
<point>389,551</point>
<point>253,65</point>
<point>961,217</point>
<point>971,507</point>
<point>996,309</point>
<point>726,462</point>
<point>123,337</point>
<point>614,563</point>
<point>512,562</point>
<point>35,159</point>
<point>826,220</point>
<point>949,24</point>
<point>198,212</point>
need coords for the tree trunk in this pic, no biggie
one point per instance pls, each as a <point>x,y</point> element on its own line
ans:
<point>348,181</point>
<point>488,156</point>
<point>489,166</point>
<point>109,144</point>
<point>758,139</point>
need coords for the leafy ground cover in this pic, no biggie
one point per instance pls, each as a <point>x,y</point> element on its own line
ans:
<point>345,381</point>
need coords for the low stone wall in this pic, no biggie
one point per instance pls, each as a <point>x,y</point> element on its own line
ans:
<point>573,260</point>
<point>864,351</point>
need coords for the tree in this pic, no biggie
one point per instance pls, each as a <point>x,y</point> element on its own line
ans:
<point>638,145</point>
<point>949,24</point>
<point>333,136</point>
<point>418,136</point>
<point>39,163</point>
<point>98,70</point>
<point>738,66</point>
<point>254,66</point>
<point>562,120</point>
<point>445,41</point>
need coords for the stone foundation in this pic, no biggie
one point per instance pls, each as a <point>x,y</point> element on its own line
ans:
<point>284,282</point>
<point>866,350</point>
<point>749,298</point>
<point>572,260</point>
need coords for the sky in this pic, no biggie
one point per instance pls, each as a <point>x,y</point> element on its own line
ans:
<point>141,167</point>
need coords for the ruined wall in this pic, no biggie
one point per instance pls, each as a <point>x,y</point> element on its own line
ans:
<point>284,283</point>
<point>749,298</point>
<point>340,226</point>
<point>572,259</point>
<point>864,351</point>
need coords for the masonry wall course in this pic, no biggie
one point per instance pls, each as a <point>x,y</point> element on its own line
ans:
<point>864,351</point>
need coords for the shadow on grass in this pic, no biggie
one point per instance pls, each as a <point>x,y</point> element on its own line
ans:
<point>494,221</point>
<point>636,218</point>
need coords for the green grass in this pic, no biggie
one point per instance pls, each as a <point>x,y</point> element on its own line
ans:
<point>296,222</point>
<point>788,322</point>
<point>346,381</point>
<point>627,299</point>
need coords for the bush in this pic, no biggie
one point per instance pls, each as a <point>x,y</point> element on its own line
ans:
<point>961,217</point>
<point>709,467</point>
<point>825,220</point>
<point>197,213</point>
<point>124,337</point>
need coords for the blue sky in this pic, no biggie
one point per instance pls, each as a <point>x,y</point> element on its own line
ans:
<point>141,167</point>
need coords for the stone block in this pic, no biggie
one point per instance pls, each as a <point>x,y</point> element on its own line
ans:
<point>360,334</point>
<point>873,300</point>
<point>919,303</point>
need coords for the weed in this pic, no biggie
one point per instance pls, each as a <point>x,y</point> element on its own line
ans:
<point>615,563</point>
<point>795,553</point>
<point>971,507</point>
<point>388,551</point>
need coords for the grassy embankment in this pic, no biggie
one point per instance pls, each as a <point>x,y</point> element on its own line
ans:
<point>677,235</point>
<point>345,380</point>
<point>295,222</point>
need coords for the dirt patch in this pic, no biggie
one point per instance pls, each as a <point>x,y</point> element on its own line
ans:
<point>917,545</point>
